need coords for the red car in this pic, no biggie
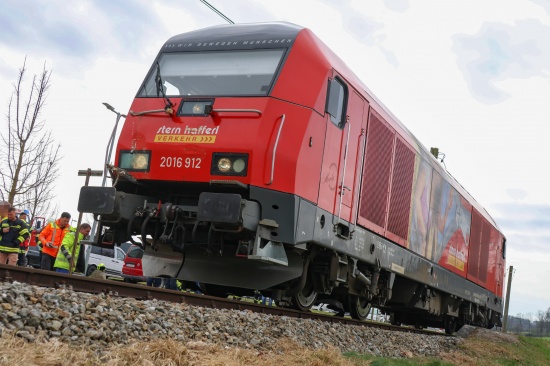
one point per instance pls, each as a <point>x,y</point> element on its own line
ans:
<point>132,270</point>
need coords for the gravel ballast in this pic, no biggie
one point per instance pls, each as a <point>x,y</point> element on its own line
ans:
<point>99,320</point>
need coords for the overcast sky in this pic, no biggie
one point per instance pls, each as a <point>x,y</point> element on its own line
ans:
<point>470,77</point>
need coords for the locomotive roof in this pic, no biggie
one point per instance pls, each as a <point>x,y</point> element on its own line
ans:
<point>235,36</point>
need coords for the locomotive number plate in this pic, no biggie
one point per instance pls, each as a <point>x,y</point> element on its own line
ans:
<point>180,162</point>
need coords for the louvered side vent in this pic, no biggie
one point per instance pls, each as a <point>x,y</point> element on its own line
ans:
<point>376,176</point>
<point>401,189</point>
<point>484,250</point>
<point>475,245</point>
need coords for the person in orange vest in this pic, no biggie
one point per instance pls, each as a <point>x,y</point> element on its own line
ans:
<point>51,238</point>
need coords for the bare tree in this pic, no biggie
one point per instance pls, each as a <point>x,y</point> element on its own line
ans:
<point>30,156</point>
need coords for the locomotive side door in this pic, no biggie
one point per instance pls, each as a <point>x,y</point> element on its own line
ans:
<point>344,139</point>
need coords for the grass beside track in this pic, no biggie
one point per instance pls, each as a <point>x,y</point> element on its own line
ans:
<point>485,350</point>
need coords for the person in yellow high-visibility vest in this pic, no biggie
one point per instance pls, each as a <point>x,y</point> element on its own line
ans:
<point>65,253</point>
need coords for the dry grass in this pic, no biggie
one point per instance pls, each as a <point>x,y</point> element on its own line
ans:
<point>481,348</point>
<point>485,347</point>
<point>16,351</point>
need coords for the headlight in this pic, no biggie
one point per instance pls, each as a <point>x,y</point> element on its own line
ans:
<point>235,164</point>
<point>195,107</point>
<point>135,161</point>
<point>239,165</point>
<point>224,165</point>
<point>140,161</point>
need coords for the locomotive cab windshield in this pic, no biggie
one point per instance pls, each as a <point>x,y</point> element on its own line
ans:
<point>219,73</point>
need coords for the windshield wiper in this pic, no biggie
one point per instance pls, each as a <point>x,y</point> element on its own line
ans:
<point>168,107</point>
<point>160,91</point>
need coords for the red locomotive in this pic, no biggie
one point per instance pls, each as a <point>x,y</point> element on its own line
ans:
<point>254,159</point>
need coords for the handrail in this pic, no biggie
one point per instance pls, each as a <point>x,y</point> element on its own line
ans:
<point>146,112</point>
<point>237,111</point>
<point>275,149</point>
<point>342,186</point>
<point>359,172</point>
<point>213,110</point>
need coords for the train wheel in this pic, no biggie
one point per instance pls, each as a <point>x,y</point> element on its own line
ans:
<point>306,298</point>
<point>359,307</point>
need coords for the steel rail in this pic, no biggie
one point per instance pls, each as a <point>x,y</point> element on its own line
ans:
<point>81,283</point>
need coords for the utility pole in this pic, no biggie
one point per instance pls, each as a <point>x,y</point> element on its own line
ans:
<point>505,324</point>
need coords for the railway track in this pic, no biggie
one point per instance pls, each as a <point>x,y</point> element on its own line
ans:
<point>80,283</point>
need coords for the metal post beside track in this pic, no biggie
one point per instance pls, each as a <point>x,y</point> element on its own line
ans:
<point>108,153</point>
<point>88,173</point>
<point>508,288</point>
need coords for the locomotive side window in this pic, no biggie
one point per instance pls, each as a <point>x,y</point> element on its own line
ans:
<point>336,101</point>
<point>227,73</point>
<point>503,248</point>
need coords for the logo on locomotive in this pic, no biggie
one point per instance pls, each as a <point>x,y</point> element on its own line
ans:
<point>199,135</point>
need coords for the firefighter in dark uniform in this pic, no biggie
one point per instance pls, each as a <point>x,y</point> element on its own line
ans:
<point>24,247</point>
<point>12,233</point>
